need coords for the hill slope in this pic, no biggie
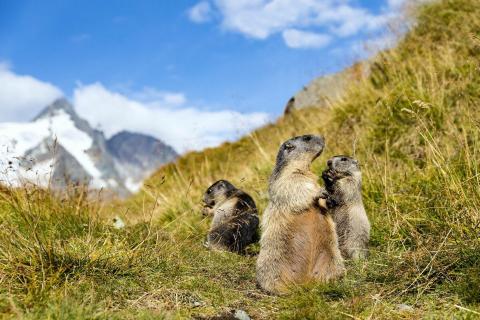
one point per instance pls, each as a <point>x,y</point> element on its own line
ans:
<point>413,124</point>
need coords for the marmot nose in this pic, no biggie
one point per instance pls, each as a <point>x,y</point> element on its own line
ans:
<point>329,163</point>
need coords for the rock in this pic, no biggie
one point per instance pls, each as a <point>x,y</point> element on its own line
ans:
<point>328,89</point>
<point>196,304</point>
<point>404,307</point>
<point>118,223</point>
<point>241,315</point>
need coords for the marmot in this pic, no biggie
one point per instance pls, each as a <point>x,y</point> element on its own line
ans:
<point>343,181</point>
<point>235,220</point>
<point>298,243</point>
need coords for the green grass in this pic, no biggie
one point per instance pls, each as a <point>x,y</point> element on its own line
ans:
<point>414,124</point>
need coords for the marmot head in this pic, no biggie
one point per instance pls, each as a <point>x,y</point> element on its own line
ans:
<point>343,164</point>
<point>307,148</point>
<point>300,150</point>
<point>217,192</point>
<point>340,167</point>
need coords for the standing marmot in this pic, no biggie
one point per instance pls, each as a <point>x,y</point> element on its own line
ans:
<point>235,220</point>
<point>299,243</point>
<point>343,180</point>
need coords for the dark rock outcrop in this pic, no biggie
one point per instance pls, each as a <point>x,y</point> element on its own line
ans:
<point>137,155</point>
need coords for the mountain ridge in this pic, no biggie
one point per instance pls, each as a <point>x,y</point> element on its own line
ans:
<point>60,145</point>
<point>138,155</point>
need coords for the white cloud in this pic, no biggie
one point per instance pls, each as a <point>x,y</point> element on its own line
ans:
<point>302,39</point>
<point>345,21</point>
<point>166,115</point>
<point>201,12</point>
<point>22,95</point>
<point>184,127</point>
<point>260,19</point>
<point>367,48</point>
<point>164,98</point>
<point>396,4</point>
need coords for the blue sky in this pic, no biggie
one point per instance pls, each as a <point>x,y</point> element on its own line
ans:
<point>242,56</point>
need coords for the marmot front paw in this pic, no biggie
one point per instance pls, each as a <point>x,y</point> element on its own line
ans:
<point>331,202</point>
<point>328,177</point>
<point>327,200</point>
<point>207,211</point>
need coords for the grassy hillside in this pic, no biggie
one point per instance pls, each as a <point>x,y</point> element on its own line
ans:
<point>413,124</point>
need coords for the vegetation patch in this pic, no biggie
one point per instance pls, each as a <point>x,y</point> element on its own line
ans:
<point>414,124</point>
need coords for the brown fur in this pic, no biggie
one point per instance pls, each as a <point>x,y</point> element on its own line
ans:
<point>299,243</point>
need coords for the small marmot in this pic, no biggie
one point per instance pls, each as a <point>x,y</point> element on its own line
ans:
<point>298,243</point>
<point>343,181</point>
<point>235,220</point>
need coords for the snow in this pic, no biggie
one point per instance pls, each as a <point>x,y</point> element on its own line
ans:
<point>17,138</point>
<point>76,142</point>
<point>39,174</point>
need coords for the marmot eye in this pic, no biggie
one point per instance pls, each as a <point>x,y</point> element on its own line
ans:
<point>289,146</point>
<point>209,191</point>
<point>343,159</point>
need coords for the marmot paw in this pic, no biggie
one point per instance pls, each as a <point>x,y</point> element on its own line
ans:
<point>328,176</point>
<point>329,200</point>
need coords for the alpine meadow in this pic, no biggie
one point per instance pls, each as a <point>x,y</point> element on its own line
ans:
<point>414,125</point>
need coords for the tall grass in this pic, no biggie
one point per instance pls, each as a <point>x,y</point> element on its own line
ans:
<point>53,249</point>
<point>414,125</point>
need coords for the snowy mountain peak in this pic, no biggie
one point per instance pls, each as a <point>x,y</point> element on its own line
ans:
<point>58,148</point>
<point>60,104</point>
